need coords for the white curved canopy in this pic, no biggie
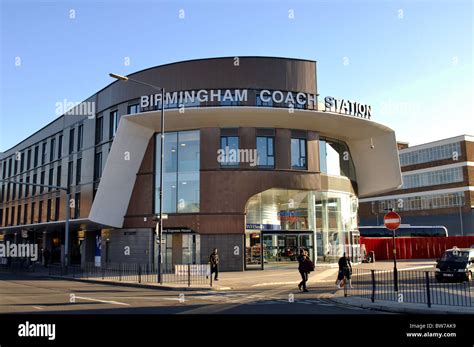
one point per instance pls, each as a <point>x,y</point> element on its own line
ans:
<point>372,145</point>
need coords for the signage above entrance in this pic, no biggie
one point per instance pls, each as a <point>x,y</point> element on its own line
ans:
<point>230,97</point>
<point>344,106</point>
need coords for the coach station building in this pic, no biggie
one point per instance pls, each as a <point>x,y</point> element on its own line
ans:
<point>256,163</point>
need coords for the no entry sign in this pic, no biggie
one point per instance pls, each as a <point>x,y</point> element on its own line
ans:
<point>392,220</point>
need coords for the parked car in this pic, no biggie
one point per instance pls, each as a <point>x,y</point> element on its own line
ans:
<point>456,264</point>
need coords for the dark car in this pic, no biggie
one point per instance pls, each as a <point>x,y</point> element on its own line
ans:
<point>456,264</point>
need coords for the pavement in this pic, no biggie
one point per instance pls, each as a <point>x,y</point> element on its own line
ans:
<point>263,292</point>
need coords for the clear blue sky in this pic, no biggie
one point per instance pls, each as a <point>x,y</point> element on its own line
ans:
<point>411,60</point>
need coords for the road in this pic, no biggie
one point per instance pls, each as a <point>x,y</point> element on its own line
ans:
<point>40,295</point>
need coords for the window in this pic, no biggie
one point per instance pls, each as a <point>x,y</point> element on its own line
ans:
<point>32,214</point>
<point>229,151</point>
<point>70,173</point>
<point>71,140</point>
<point>27,187</point>
<point>44,153</point>
<point>25,214</point>
<point>13,191</point>
<point>335,158</point>
<point>98,166</point>
<point>50,178</point>
<point>51,149</point>
<point>40,212</point>
<point>78,171</point>
<point>450,150</point>
<point>181,172</point>
<point>57,208</point>
<point>113,124</point>
<point>10,167</point>
<point>48,210</point>
<point>77,205</point>
<point>12,216</point>
<point>60,147</point>
<point>22,161</point>
<point>132,109</point>
<point>42,177</point>
<point>298,153</point>
<point>58,176</point>
<point>18,215</point>
<point>265,151</point>
<point>99,129</point>
<point>15,169</point>
<point>36,156</point>
<point>1,217</point>
<point>20,189</point>
<point>35,180</point>
<point>6,216</point>
<point>28,160</point>
<point>80,137</point>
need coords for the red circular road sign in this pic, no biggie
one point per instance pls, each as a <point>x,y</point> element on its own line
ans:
<point>392,220</point>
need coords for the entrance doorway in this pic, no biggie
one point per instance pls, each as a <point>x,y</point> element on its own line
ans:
<point>269,249</point>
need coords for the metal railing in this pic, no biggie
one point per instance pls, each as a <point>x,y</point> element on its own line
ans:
<point>418,287</point>
<point>182,274</point>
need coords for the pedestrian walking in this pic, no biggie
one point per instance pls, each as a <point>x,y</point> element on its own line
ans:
<point>214,260</point>
<point>305,266</point>
<point>345,272</point>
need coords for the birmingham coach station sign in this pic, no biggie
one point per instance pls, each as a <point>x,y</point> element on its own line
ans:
<point>236,97</point>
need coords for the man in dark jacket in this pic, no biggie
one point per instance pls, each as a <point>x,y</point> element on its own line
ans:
<point>303,261</point>
<point>214,260</point>
<point>345,271</point>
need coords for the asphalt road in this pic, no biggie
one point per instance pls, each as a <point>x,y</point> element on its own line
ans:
<point>41,295</point>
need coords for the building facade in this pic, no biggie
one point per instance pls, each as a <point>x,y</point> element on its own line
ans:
<point>438,187</point>
<point>253,165</point>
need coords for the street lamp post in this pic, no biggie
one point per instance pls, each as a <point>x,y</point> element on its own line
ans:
<point>162,156</point>
<point>65,260</point>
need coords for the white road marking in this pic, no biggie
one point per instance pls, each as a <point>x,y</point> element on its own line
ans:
<point>38,307</point>
<point>103,301</point>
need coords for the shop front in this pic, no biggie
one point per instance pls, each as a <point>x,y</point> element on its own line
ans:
<point>280,223</point>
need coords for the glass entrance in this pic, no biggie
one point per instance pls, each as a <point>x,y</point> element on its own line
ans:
<point>253,250</point>
<point>285,247</point>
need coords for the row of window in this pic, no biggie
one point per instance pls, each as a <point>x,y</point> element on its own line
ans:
<point>19,215</point>
<point>433,178</point>
<point>426,202</point>
<point>450,150</point>
<point>232,155</point>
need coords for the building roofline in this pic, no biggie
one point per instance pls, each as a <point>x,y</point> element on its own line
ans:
<point>465,137</point>
<point>154,67</point>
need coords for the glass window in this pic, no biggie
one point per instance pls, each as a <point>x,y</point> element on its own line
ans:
<point>298,153</point>
<point>43,154</point>
<point>265,151</point>
<point>181,172</point>
<point>98,166</point>
<point>58,176</point>
<point>60,147</point>
<point>78,170</point>
<point>229,150</point>
<point>71,140</point>
<point>80,137</point>
<point>132,109</point>
<point>77,205</point>
<point>99,129</point>
<point>51,149</point>
<point>335,158</point>
<point>188,171</point>
<point>69,173</point>
<point>113,124</point>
